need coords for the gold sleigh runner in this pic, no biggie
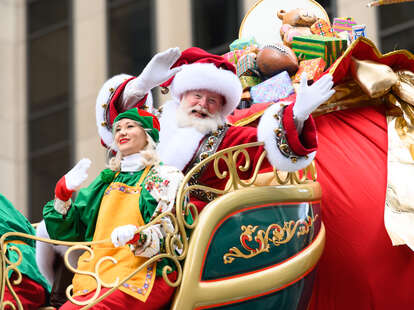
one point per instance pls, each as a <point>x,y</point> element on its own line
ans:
<point>176,243</point>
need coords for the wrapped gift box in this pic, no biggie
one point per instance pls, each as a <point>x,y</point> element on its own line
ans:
<point>246,65</point>
<point>343,24</point>
<point>323,28</point>
<point>249,81</point>
<point>242,43</point>
<point>359,31</point>
<point>312,67</point>
<point>233,56</point>
<point>273,89</point>
<point>315,46</point>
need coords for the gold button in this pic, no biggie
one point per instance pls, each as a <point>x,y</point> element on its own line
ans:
<point>203,155</point>
<point>294,160</point>
<point>103,124</point>
<point>112,89</point>
<point>284,147</point>
<point>278,132</point>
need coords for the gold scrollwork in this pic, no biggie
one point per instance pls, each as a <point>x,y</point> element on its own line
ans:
<point>275,234</point>
<point>236,159</point>
<point>173,244</point>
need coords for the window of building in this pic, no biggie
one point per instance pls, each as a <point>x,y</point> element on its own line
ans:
<point>131,32</point>
<point>215,24</point>
<point>49,61</point>
<point>396,25</point>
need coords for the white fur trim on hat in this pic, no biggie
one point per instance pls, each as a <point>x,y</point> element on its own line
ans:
<point>265,132</point>
<point>105,92</point>
<point>208,76</point>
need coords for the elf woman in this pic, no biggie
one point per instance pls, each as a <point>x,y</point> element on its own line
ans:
<point>133,191</point>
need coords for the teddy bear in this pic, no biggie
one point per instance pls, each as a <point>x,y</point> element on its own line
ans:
<point>295,22</point>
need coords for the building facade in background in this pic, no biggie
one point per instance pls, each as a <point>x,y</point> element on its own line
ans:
<point>56,54</point>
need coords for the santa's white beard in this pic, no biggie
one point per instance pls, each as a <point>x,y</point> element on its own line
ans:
<point>185,118</point>
<point>179,142</point>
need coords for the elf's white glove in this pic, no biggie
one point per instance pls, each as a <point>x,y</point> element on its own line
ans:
<point>78,174</point>
<point>122,234</point>
<point>310,97</point>
<point>69,183</point>
<point>156,72</point>
<point>152,245</point>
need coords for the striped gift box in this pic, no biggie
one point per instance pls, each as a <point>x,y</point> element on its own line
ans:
<point>343,24</point>
<point>246,65</point>
<point>315,46</point>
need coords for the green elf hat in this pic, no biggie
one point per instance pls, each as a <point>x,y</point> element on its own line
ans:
<point>148,121</point>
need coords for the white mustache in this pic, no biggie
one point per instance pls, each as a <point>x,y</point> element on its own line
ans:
<point>201,110</point>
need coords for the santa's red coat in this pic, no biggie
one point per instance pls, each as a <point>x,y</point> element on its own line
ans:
<point>233,137</point>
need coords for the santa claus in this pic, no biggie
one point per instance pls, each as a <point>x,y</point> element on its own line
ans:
<point>205,90</point>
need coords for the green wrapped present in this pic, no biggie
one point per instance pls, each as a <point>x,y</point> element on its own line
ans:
<point>315,46</point>
<point>248,81</point>
<point>242,43</point>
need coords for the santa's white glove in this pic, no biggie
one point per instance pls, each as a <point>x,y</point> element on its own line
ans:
<point>152,245</point>
<point>122,234</point>
<point>69,183</point>
<point>156,72</point>
<point>310,97</point>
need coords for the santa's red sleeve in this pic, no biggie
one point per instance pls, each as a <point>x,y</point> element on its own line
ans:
<point>287,150</point>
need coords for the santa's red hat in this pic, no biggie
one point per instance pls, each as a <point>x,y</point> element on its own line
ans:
<point>202,70</point>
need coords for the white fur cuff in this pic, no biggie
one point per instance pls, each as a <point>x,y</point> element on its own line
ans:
<point>62,206</point>
<point>265,132</point>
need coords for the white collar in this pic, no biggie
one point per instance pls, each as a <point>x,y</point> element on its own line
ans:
<point>132,163</point>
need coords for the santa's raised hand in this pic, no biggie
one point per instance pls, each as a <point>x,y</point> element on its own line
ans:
<point>311,97</point>
<point>156,72</point>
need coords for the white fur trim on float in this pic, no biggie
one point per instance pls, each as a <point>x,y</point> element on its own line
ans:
<point>208,76</point>
<point>102,100</point>
<point>265,132</point>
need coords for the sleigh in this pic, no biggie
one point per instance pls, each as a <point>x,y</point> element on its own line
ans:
<point>251,245</point>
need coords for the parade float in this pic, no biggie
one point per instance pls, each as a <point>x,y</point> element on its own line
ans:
<point>259,242</point>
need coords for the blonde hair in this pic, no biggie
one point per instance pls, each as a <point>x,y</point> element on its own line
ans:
<point>148,153</point>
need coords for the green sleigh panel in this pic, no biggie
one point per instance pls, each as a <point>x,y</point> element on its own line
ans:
<point>254,247</point>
